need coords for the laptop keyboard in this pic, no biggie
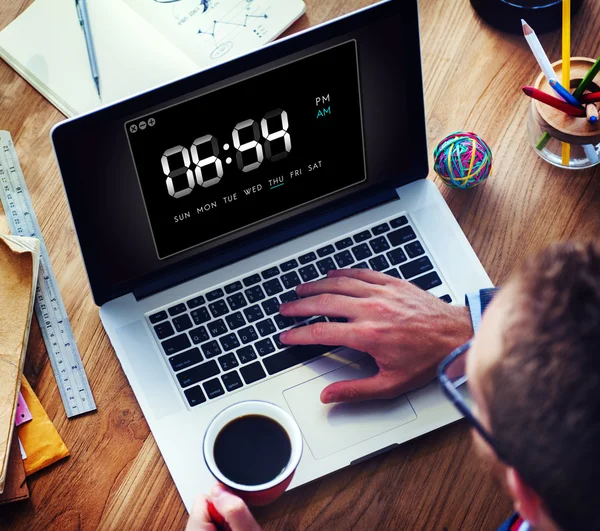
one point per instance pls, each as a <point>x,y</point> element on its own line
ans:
<point>226,338</point>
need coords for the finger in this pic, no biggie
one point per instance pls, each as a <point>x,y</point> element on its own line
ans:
<point>233,509</point>
<point>341,285</point>
<point>324,304</point>
<point>199,519</point>
<point>377,386</point>
<point>366,275</point>
<point>332,334</point>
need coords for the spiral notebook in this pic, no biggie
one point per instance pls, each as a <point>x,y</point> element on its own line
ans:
<point>139,44</point>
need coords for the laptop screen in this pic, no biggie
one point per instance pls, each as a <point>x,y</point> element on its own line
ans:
<point>233,157</point>
<point>208,169</point>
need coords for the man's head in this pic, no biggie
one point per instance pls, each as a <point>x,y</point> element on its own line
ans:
<point>534,373</point>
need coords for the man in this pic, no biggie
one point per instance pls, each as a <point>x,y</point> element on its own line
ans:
<point>533,372</point>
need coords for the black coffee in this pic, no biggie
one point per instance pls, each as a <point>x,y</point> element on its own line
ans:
<point>252,450</point>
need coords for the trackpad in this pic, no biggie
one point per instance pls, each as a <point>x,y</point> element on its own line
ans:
<point>329,428</point>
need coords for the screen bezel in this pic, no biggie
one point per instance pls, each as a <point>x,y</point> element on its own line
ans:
<point>141,286</point>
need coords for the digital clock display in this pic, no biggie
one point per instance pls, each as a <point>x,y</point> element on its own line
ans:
<point>250,151</point>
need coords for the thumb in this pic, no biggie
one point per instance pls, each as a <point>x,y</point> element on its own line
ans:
<point>378,386</point>
<point>234,511</point>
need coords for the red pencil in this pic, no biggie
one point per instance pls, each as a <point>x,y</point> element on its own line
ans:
<point>590,98</point>
<point>544,97</point>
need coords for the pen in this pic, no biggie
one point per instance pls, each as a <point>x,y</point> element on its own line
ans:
<point>539,95</point>
<point>564,93</point>
<point>84,21</point>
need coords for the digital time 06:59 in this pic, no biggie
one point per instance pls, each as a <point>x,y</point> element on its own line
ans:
<point>197,177</point>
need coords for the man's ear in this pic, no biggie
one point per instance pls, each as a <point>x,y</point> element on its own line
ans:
<point>527,503</point>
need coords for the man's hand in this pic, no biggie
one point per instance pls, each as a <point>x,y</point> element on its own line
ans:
<point>233,510</point>
<point>407,331</point>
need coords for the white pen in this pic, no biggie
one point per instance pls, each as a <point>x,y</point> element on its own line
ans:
<point>538,51</point>
<point>84,21</point>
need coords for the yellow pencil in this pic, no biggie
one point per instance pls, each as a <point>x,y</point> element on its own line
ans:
<point>566,65</point>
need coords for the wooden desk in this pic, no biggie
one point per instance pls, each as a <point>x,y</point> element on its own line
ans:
<point>115,477</point>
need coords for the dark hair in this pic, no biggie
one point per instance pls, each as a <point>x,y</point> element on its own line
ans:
<point>544,400</point>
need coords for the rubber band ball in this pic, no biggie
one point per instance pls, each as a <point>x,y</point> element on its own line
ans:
<point>463,160</point>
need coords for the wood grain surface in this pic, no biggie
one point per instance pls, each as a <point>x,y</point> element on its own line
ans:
<point>115,477</point>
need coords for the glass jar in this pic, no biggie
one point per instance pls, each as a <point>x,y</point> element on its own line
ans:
<point>548,128</point>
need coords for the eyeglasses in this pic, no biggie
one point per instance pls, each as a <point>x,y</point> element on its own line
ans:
<point>453,379</point>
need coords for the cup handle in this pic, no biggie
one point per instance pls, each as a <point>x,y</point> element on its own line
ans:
<point>217,518</point>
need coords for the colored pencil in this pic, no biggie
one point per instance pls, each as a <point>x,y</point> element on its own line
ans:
<point>564,93</point>
<point>591,112</point>
<point>585,82</point>
<point>592,97</point>
<point>590,153</point>
<point>566,67</point>
<point>546,98</point>
<point>538,51</point>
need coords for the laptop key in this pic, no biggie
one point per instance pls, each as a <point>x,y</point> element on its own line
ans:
<point>308,273</point>
<point>254,313</point>
<point>393,273</point>
<point>229,342</point>
<point>380,229</point>
<point>266,327</point>
<point>400,236</point>
<point>306,258</point>
<point>428,281</point>
<point>236,301</point>
<point>200,315</point>
<point>176,344</point>
<point>283,322</point>
<point>271,306</point>
<point>324,251</point>
<point>270,273</point>
<point>199,373</point>
<point>446,298</point>
<point>235,320</point>
<point>272,287</point>
<point>325,265</point>
<point>195,396</point>
<point>289,296</point>
<point>414,249</point>
<point>233,287</point>
<point>246,354</point>
<point>195,302</point>
<point>253,372</point>
<point>361,251</point>
<point>290,280</point>
<point>289,265</point>
<point>214,294</point>
<point>213,388</point>
<point>199,335</point>
<point>344,258</point>
<point>264,346</point>
<point>379,263</point>
<point>177,309</point>
<point>185,359</point>
<point>361,265</point>
<point>255,294</point>
<point>232,381</point>
<point>211,349</point>
<point>248,334</point>
<point>251,280</point>
<point>157,317</point>
<point>228,361</point>
<point>344,244</point>
<point>182,323</point>
<point>416,267</point>
<point>218,308</point>
<point>398,222</point>
<point>379,244</point>
<point>397,256</point>
<point>294,356</point>
<point>163,330</point>
<point>277,339</point>
<point>362,236</point>
<point>217,327</point>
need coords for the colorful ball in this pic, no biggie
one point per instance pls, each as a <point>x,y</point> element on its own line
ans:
<point>463,160</point>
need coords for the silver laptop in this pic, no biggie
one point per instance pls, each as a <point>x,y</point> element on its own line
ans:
<point>201,204</point>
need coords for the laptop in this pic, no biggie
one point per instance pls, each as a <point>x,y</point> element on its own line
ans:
<point>201,204</point>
